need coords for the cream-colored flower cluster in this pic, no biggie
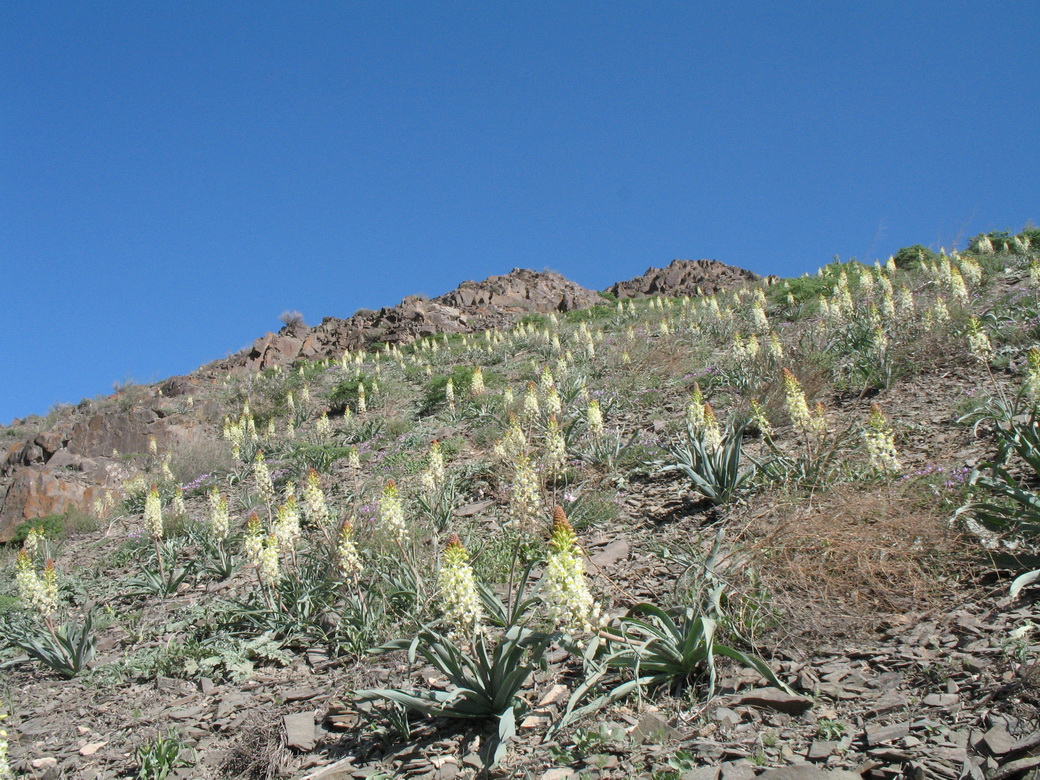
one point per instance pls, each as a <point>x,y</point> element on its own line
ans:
<point>695,411</point>
<point>758,414</point>
<point>5,766</point>
<point>286,528</point>
<point>39,592</point>
<point>460,598</point>
<point>586,342</point>
<point>530,409</point>
<point>315,508</point>
<point>391,513</point>
<point>262,478</point>
<point>323,428</point>
<point>759,320</point>
<point>700,417</point>
<point>362,398</point>
<point>433,476</point>
<point>34,542</point>
<point>103,505</point>
<point>513,443</point>
<point>449,394</point>
<point>525,497</point>
<point>880,443</point>
<point>554,456</point>
<point>978,341</point>
<point>594,419</point>
<point>476,384</point>
<point>177,502</point>
<point>267,563</point>
<point>153,519</point>
<point>347,553</point>
<point>809,423</point>
<point>254,538</point>
<point>219,516</point>
<point>569,602</point>
<point>262,551</point>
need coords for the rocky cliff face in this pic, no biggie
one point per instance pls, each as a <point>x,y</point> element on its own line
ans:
<point>685,277</point>
<point>64,469</point>
<point>67,466</point>
<point>472,307</point>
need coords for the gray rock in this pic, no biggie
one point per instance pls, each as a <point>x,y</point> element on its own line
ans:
<point>736,770</point>
<point>891,701</point>
<point>611,554</point>
<point>809,772</point>
<point>775,699</point>
<point>821,749</point>
<point>654,728</point>
<point>727,717</point>
<point>998,740</point>
<point>701,773</point>
<point>879,735</point>
<point>299,730</point>
<point>684,277</point>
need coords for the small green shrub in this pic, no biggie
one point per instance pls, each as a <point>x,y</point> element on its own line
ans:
<point>910,257</point>
<point>158,758</point>
<point>52,526</point>
<point>345,395</point>
<point>435,396</point>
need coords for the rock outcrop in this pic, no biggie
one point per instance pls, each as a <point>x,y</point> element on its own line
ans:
<point>472,307</point>
<point>521,290</point>
<point>64,469</point>
<point>685,277</point>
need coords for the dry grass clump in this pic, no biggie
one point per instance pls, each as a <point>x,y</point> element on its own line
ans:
<point>842,563</point>
<point>199,455</point>
<point>259,750</point>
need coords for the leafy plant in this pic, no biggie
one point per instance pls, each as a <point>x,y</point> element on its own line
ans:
<point>158,758</point>
<point>486,680</point>
<point>439,506</point>
<point>608,450</point>
<point>320,457</point>
<point>220,562</point>
<point>1010,506</point>
<point>66,649</point>
<point>228,658</point>
<point>675,648</point>
<point>151,582</point>
<point>345,395</point>
<point>830,729</point>
<point>714,471</point>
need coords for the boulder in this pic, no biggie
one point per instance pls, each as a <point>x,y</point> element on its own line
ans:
<point>41,491</point>
<point>521,290</point>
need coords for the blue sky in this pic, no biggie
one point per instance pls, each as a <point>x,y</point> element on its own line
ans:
<point>175,175</point>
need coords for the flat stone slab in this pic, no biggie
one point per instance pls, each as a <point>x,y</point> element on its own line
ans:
<point>775,699</point>
<point>882,734</point>
<point>299,730</point>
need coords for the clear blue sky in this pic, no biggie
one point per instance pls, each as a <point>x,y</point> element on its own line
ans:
<point>174,175</point>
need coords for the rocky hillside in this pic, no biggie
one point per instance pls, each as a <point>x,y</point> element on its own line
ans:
<point>69,464</point>
<point>762,534</point>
